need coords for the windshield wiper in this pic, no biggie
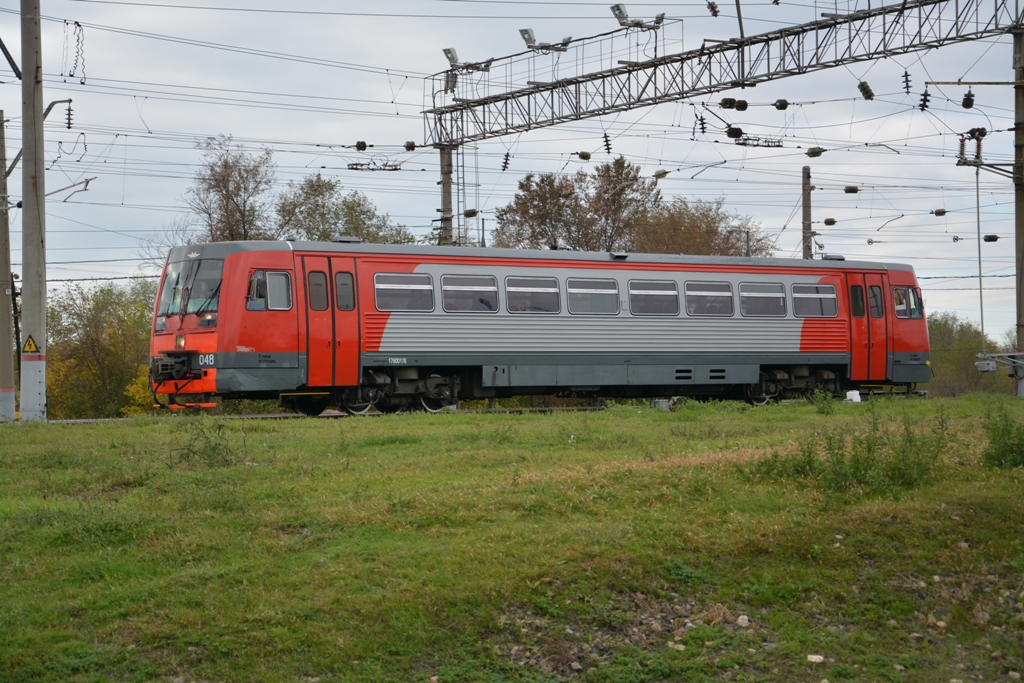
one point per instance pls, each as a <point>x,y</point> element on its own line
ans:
<point>213,298</point>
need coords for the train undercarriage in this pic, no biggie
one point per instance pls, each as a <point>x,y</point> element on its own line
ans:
<point>392,390</point>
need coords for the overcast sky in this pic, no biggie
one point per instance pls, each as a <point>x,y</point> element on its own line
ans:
<point>310,78</point>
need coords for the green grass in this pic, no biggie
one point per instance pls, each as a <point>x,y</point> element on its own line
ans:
<point>492,547</point>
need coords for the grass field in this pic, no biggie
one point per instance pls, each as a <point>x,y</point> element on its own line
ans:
<point>718,542</point>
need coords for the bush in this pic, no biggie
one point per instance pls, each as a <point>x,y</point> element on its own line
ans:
<point>869,462</point>
<point>824,404</point>
<point>1005,441</point>
<point>205,443</point>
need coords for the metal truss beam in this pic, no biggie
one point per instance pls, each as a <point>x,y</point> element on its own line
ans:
<point>833,41</point>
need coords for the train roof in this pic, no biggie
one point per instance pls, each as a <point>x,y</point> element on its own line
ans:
<point>223,249</point>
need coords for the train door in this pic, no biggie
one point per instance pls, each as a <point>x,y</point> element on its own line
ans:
<point>859,328</point>
<point>346,322</point>
<point>878,337</point>
<point>319,321</point>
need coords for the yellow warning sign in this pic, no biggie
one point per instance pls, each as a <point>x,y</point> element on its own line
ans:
<point>30,346</point>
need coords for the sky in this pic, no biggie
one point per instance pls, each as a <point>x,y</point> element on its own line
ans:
<point>307,79</point>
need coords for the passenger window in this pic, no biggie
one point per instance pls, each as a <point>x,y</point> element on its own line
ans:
<point>257,298</point>
<point>469,293</point>
<point>394,292</point>
<point>279,291</point>
<point>318,291</point>
<point>815,301</point>
<point>857,301</point>
<point>875,301</point>
<point>709,298</point>
<point>531,295</point>
<point>592,297</point>
<point>651,297</point>
<point>344,291</point>
<point>762,300</point>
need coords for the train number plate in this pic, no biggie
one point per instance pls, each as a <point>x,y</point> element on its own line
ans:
<point>397,361</point>
<point>207,360</point>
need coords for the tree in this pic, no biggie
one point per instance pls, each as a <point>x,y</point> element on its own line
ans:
<point>700,227</point>
<point>590,212</point>
<point>98,347</point>
<point>231,193</point>
<point>954,344</point>
<point>318,209</point>
<point>616,209</point>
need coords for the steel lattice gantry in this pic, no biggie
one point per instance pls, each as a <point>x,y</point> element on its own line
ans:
<point>830,42</point>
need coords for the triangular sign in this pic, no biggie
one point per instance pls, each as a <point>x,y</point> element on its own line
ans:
<point>30,346</point>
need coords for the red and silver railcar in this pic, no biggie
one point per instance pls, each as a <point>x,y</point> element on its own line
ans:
<point>356,325</point>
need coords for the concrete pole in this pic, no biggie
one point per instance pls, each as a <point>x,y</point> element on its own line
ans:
<point>7,388</point>
<point>808,238</point>
<point>446,197</point>
<point>1018,191</point>
<point>33,218</point>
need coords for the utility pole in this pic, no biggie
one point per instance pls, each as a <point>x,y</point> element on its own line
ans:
<point>7,388</point>
<point>808,237</point>
<point>33,300</point>
<point>446,196</point>
<point>1018,187</point>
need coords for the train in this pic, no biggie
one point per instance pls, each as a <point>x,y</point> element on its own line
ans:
<point>357,326</point>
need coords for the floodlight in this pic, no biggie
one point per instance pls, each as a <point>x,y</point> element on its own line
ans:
<point>528,37</point>
<point>451,55</point>
<point>619,10</point>
<point>566,40</point>
<point>660,19</point>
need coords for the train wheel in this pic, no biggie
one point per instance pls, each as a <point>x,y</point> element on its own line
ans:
<point>358,401</point>
<point>431,404</point>
<point>310,406</point>
<point>752,394</point>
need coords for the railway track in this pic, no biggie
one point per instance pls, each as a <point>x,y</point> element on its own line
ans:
<point>334,414</point>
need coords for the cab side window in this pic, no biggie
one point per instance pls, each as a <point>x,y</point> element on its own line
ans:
<point>257,298</point>
<point>906,303</point>
<point>269,291</point>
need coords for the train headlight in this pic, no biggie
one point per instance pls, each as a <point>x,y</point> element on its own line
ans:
<point>179,341</point>
<point>208,320</point>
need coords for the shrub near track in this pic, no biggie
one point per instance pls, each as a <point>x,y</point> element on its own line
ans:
<point>718,542</point>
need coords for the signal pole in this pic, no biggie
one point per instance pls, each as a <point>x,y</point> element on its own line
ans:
<point>7,389</point>
<point>446,196</point>
<point>808,237</point>
<point>33,301</point>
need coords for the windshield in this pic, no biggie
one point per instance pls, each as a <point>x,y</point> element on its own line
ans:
<point>174,282</point>
<point>204,288</point>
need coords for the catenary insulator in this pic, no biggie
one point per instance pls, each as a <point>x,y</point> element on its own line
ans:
<point>410,146</point>
<point>584,156</point>
<point>990,238</point>
<point>728,103</point>
<point>734,132</point>
<point>741,105</point>
<point>851,189</point>
<point>814,152</point>
<point>361,146</point>
<point>968,100</point>
<point>781,105</point>
<point>939,212</point>
<point>830,221</point>
<point>865,90</point>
